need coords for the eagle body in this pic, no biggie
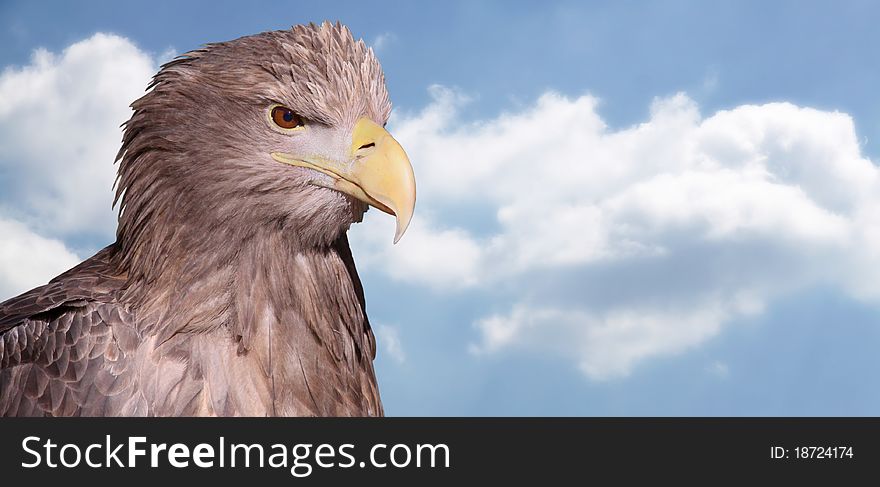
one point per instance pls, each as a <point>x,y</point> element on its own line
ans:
<point>75,347</point>
<point>231,289</point>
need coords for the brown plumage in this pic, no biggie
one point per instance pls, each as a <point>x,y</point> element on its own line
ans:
<point>231,288</point>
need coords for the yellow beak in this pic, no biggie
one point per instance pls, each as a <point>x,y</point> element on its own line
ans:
<point>378,172</point>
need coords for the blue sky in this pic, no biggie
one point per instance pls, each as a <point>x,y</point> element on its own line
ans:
<point>564,273</point>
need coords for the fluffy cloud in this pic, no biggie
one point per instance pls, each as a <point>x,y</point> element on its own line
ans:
<point>60,121</point>
<point>28,260</point>
<point>615,246</point>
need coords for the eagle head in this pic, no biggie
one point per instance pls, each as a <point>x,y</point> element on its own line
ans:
<point>282,129</point>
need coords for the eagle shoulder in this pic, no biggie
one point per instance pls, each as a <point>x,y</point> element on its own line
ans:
<point>64,347</point>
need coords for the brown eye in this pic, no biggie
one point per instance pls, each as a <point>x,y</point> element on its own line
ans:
<point>285,118</point>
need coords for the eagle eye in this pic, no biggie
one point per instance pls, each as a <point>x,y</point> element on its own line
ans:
<point>285,117</point>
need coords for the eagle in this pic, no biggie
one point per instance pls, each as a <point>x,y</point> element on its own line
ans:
<point>230,289</point>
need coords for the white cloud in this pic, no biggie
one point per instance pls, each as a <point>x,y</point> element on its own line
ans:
<point>604,346</point>
<point>60,121</point>
<point>615,246</point>
<point>28,260</point>
<point>442,258</point>
<point>389,338</point>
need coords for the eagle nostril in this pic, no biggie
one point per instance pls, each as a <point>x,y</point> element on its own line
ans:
<point>367,146</point>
